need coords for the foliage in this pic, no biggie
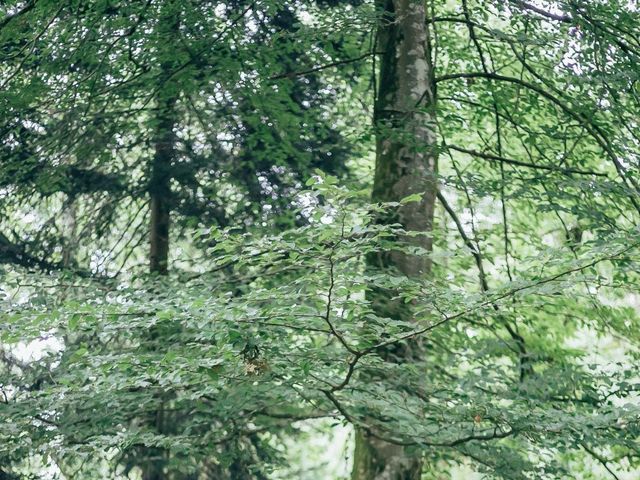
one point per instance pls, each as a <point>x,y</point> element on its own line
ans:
<point>528,325</point>
<point>284,334</point>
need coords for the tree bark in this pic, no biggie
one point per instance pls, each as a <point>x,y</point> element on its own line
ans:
<point>160,189</point>
<point>164,139</point>
<point>160,212</point>
<point>406,164</point>
<point>160,203</point>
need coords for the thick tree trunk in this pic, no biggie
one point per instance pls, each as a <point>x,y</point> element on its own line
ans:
<point>406,164</point>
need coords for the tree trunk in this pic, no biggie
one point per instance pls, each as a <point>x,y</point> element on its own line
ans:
<point>406,164</point>
<point>160,189</point>
<point>160,211</point>
<point>160,203</point>
<point>70,246</point>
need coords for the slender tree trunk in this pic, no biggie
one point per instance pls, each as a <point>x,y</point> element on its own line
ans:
<point>160,202</point>
<point>69,220</point>
<point>406,164</point>
<point>160,189</point>
<point>160,211</point>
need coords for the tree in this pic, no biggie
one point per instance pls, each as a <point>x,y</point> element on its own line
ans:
<point>111,71</point>
<point>98,72</point>
<point>450,315</point>
<point>406,165</point>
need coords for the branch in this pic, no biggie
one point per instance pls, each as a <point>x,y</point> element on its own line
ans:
<point>11,252</point>
<point>28,6</point>
<point>33,46</point>
<point>453,443</point>
<point>467,241</point>
<point>519,163</point>
<point>491,301</point>
<point>542,12</point>
<point>484,285</point>
<point>596,132</point>
<point>625,47</point>
<point>322,67</point>
<point>600,459</point>
<point>327,315</point>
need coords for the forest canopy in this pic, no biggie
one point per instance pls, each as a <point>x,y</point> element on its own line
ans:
<point>309,239</point>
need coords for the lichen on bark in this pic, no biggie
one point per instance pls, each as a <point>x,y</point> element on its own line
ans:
<point>406,164</point>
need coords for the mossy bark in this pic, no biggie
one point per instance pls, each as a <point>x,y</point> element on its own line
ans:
<point>406,164</point>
